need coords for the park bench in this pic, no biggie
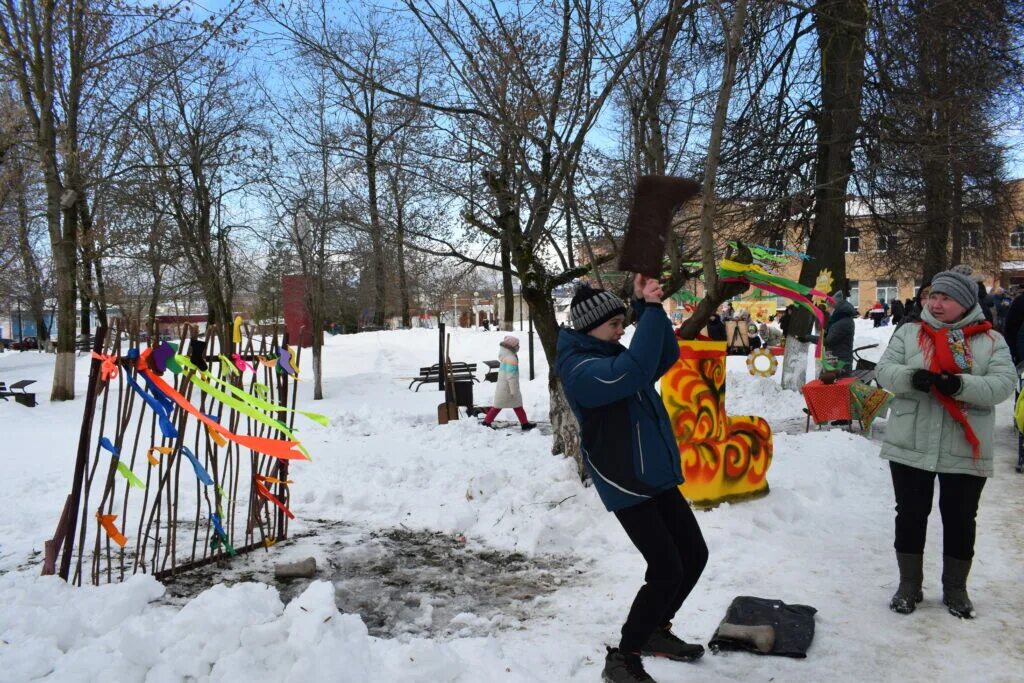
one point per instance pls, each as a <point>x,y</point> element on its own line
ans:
<point>18,393</point>
<point>492,370</point>
<point>460,372</point>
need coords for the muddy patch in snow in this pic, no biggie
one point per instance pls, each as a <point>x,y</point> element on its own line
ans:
<point>403,582</point>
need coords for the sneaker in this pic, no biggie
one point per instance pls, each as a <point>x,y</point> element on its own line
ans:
<point>664,643</point>
<point>623,667</point>
<point>488,425</point>
<point>527,426</point>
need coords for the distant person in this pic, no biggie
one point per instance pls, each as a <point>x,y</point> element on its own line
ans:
<point>630,452</point>
<point>1013,326</point>
<point>716,328</point>
<point>914,306</point>
<point>876,313</point>
<point>786,319</point>
<point>897,311</point>
<point>948,373</point>
<point>506,392</point>
<point>1001,303</point>
<point>839,331</point>
<point>486,325</point>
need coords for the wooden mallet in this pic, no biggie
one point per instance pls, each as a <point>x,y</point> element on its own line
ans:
<point>656,200</point>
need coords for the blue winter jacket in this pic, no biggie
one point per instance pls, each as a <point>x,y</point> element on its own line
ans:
<point>627,441</point>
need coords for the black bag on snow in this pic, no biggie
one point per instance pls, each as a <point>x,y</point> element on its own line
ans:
<point>764,626</point>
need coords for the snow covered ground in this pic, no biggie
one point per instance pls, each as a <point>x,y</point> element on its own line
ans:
<point>476,555</point>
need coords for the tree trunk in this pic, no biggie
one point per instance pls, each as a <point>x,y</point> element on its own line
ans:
<point>376,231</point>
<point>841,26</point>
<point>29,264</point>
<point>715,292</point>
<point>794,364</point>
<point>508,313</point>
<point>403,279</point>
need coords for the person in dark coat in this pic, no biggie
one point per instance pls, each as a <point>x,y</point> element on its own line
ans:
<point>1014,320</point>
<point>630,451</point>
<point>786,319</point>
<point>839,331</point>
<point>897,311</point>
<point>912,314</point>
<point>716,328</point>
<point>1001,302</point>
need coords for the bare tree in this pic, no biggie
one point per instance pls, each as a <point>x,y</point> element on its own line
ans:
<point>202,144</point>
<point>944,80</point>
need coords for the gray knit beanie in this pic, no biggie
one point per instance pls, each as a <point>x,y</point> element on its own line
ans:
<point>592,307</point>
<point>957,286</point>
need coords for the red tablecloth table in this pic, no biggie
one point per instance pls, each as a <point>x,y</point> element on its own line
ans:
<point>828,402</point>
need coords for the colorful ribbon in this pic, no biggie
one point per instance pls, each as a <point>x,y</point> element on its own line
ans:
<point>286,361</point>
<point>273,447</point>
<point>227,364</point>
<point>122,466</point>
<point>153,460</point>
<point>249,399</point>
<point>242,365</point>
<point>265,492</point>
<point>201,474</point>
<point>107,522</point>
<point>108,367</point>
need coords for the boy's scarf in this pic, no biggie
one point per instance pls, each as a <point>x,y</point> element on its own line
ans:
<point>946,359</point>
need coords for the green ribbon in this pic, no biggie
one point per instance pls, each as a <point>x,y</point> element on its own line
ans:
<point>129,475</point>
<point>244,403</point>
<point>251,400</point>
<point>224,363</point>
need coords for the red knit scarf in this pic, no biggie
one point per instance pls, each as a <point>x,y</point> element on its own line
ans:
<point>942,361</point>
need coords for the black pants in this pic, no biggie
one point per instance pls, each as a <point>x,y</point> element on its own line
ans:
<point>958,504</point>
<point>666,533</point>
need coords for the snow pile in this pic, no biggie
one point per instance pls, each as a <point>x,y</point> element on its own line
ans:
<point>384,467</point>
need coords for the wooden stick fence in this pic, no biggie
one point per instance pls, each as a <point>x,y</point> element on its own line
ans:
<point>134,507</point>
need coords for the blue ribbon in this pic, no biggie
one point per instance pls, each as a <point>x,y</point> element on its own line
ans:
<point>201,472</point>
<point>167,427</point>
<point>105,443</point>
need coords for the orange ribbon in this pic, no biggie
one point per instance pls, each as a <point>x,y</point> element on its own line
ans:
<point>276,448</point>
<point>108,367</point>
<point>153,460</point>
<point>265,492</point>
<point>107,522</point>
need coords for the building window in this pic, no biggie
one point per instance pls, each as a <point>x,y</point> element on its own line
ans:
<point>852,241</point>
<point>1017,237</point>
<point>971,239</point>
<point>886,290</point>
<point>777,242</point>
<point>886,242</point>
<point>854,293</point>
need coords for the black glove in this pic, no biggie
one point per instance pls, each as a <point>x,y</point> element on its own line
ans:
<point>923,380</point>
<point>948,384</point>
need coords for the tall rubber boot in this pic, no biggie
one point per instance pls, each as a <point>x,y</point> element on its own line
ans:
<point>954,587</point>
<point>905,600</point>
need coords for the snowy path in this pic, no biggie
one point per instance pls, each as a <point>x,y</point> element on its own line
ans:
<point>384,472</point>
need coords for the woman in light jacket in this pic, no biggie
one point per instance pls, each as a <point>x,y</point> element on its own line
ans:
<point>506,393</point>
<point>949,371</point>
